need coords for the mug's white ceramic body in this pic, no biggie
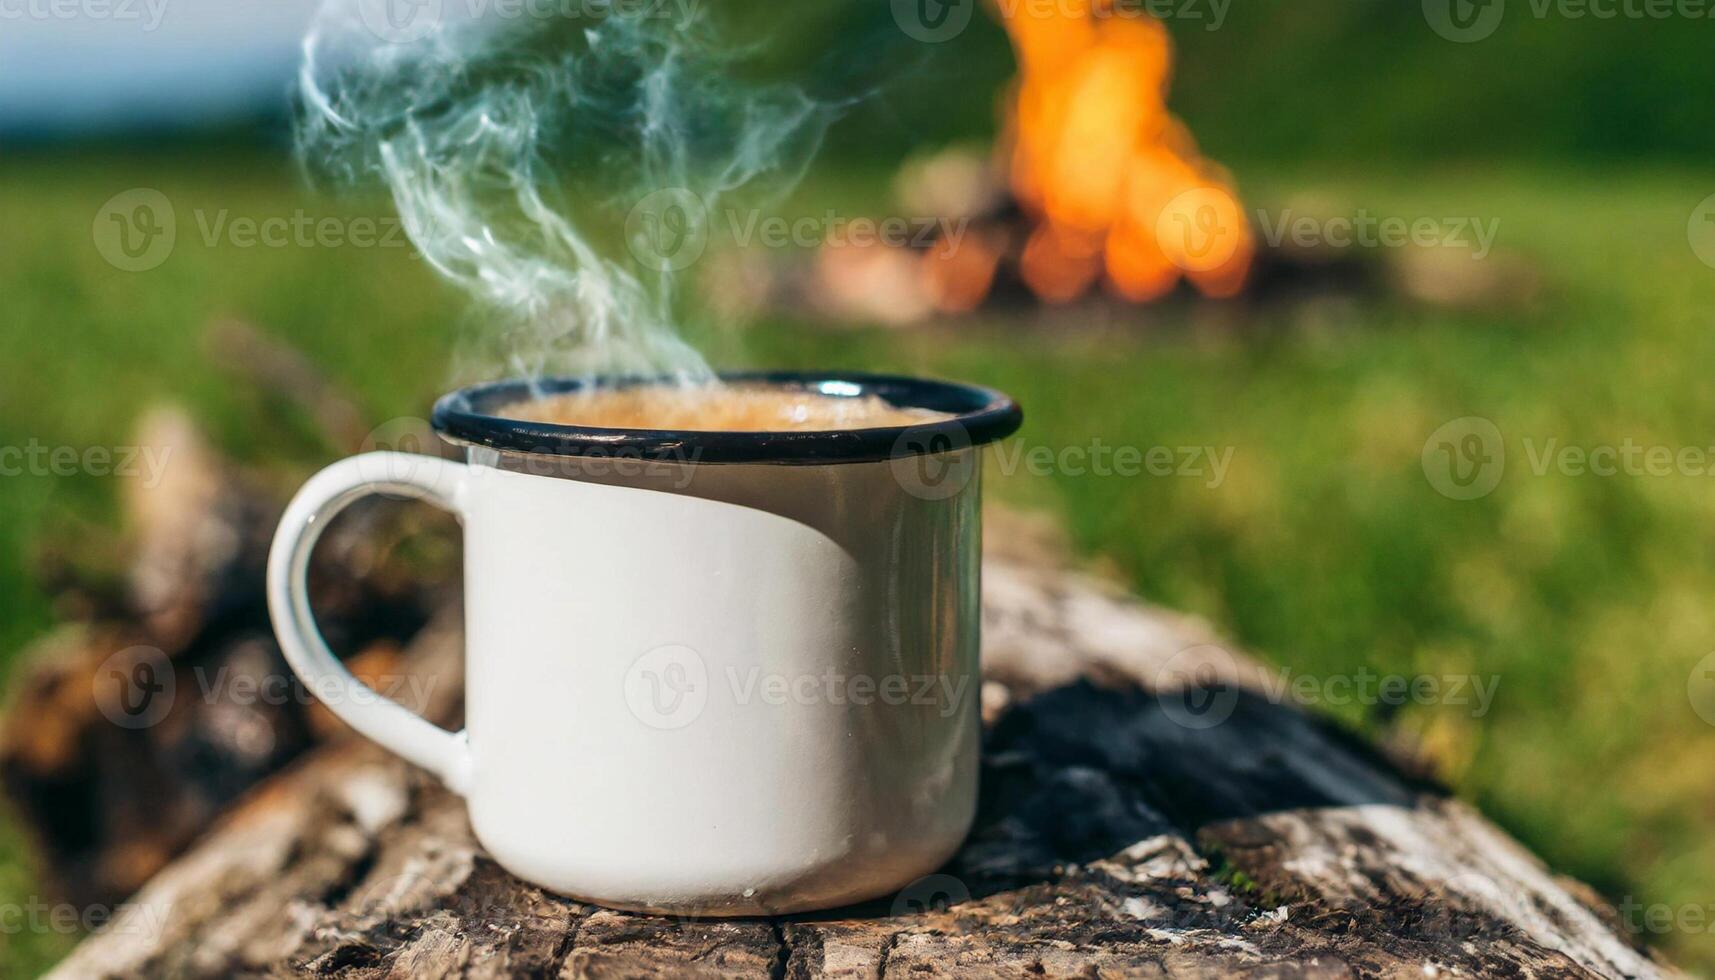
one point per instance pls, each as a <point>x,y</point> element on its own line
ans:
<point>717,688</point>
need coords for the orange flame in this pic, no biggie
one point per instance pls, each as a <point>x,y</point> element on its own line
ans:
<point>1114,179</point>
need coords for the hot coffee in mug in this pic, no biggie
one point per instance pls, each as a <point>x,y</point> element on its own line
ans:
<point>723,408</point>
<point>721,643</point>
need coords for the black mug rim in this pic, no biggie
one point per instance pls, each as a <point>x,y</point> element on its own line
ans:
<point>977,416</point>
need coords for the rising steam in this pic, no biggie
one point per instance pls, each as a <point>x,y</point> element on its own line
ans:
<point>515,149</point>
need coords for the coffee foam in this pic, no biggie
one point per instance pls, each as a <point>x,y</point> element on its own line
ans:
<point>717,408</point>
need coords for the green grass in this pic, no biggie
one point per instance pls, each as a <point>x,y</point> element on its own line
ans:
<point>1325,549</point>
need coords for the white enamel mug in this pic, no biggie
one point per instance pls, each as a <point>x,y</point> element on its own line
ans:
<point>706,673</point>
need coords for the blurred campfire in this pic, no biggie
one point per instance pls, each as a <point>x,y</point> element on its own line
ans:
<point>1112,184</point>
<point>1095,194</point>
<point>980,269</point>
<point>1100,183</point>
<point>165,697</point>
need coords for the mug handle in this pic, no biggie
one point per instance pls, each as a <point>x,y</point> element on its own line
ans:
<point>438,481</point>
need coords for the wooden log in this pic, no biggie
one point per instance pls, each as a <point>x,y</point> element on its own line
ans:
<point>1146,810</point>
